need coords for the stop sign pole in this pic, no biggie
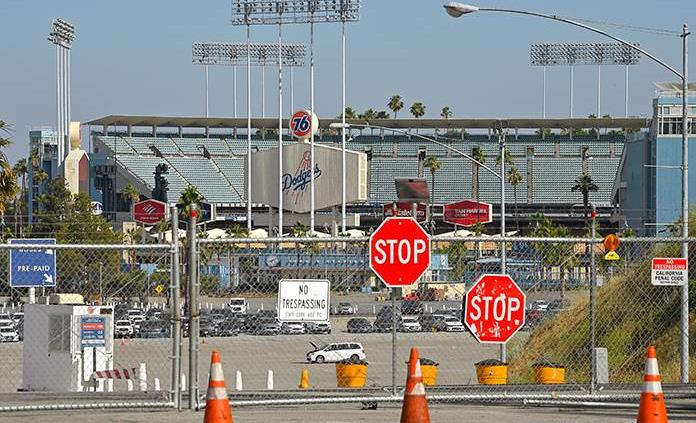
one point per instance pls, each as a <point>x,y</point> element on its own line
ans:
<point>399,256</point>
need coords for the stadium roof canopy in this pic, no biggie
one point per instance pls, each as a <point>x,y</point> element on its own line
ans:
<point>223,122</point>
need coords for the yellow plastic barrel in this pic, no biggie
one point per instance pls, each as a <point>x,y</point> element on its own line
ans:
<point>549,373</point>
<point>429,374</point>
<point>428,370</point>
<point>491,372</point>
<point>351,375</point>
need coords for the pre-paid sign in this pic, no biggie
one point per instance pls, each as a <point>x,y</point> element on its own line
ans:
<point>668,271</point>
<point>304,300</point>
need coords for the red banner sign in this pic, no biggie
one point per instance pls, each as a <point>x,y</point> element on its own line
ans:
<point>468,213</point>
<point>404,209</point>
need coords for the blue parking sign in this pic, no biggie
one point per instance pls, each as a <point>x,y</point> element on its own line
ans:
<point>31,267</point>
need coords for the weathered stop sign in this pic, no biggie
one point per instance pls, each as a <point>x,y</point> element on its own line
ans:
<point>149,212</point>
<point>495,308</point>
<point>399,251</point>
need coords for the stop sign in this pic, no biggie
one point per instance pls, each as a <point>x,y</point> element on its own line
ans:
<point>149,212</point>
<point>399,251</point>
<point>495,308</point>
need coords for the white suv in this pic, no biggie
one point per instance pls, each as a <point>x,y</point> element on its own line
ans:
<point>238,305</point>
<point>452,324</point>
<point>334,352</point>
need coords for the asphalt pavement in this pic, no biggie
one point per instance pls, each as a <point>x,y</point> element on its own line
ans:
<point>349,413</point>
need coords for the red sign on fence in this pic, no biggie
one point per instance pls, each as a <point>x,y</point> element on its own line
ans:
<point>149,212</point>
<point>399,251</point>
<point>495,308</point>
<point>404,209</point>
<point>468,213</point>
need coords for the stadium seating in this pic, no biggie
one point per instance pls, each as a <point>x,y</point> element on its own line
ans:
<point>220,176</point>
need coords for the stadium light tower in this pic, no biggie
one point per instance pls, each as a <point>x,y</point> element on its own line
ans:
<point>572,54</point>
<point>62,35</point>
<point>235,54</point>
<point>457,9</point>
<point>279,12</point>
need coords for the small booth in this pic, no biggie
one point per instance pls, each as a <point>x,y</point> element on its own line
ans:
<point>65,342</point>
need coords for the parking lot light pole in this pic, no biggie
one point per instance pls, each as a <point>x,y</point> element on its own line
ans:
<point>456,10</point>
<point>193,310</point>
<point>175,309</point>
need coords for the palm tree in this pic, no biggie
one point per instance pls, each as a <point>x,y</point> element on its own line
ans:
<point>515,178</point>
<point>382,115</point>
<point>395,104</point>
<point>131,194</point>
<point>189,196</point>
<point>351,113</point>
<point>585,185</point>
<point>446,112</point>
<point>8,180</point>
<point>434,165</point>
<point>417,109</point>
<point>20,170</point>
<point>476,154</point>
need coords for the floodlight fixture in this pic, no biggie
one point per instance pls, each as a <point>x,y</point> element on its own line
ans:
<point>456,9</point>
<point>235,54</point>
<point>275,12</point>
<point>573,54</point>
<point>63,33</point>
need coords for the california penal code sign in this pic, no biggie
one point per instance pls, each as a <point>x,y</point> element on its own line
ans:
<point>304,300</point>
<point>669,271</point>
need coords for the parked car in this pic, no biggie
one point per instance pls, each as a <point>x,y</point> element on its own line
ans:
<point>412,307</point>
<point>292,328</point>
<point>432,322</point>
<point>540,305</point>
<point>154,329</point>
<point>556,306</point>
<point>217,315</point>
<point>123,329</point>
<point>453,324</point>
<point>318,328</point>
<point>231,326</point>
<point>153,314</point>
<point>238,305</point>
<point>334,352</point>
<point>6,320</point>
<point>410,324</point>
<point>207,328</point>
<point>384,318</point>
<point>532,319</point>
<point>358,325</point>
<point>17,317</point>
<point>345,309</point>
<point>8,334</point>
<point>267,326</point>
<point>136,315</point>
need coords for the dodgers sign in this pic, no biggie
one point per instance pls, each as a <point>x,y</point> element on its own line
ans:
<point>304,300</point>
<point>31,267</point>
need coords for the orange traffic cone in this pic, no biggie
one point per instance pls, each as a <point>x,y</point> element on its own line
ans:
<point>652,401</point>
<point>217,405</point>
<point>415,408</point>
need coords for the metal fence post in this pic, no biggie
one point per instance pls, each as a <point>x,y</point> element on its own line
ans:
<point>593,317</point>
<point>193,310</point>
<point>175,307</point>
<point>394,292</point>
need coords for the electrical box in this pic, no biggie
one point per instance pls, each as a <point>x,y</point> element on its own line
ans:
<point>64,345</point>
<point>602,360</point>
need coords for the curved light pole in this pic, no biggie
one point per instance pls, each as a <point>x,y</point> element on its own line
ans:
<point>456,9</point>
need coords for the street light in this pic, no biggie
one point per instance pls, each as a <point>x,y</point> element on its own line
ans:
<point>456,9</point>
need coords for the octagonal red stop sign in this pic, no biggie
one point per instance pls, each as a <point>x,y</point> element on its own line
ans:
<point>495,308</point>
<point>399,251</point>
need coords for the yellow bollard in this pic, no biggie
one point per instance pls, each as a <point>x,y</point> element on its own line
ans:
<point>304,379</point>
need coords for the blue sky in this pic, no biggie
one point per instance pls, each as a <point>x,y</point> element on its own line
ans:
<point>134,57</point>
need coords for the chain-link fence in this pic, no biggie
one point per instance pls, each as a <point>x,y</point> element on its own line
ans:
<point>237,282</point>
<point>97,321</point>
<point>555,274</point>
